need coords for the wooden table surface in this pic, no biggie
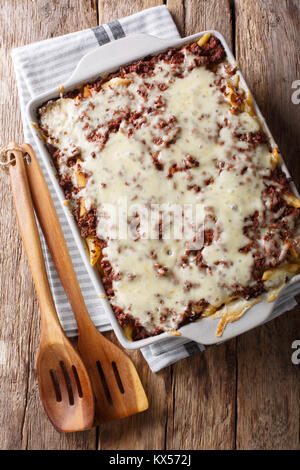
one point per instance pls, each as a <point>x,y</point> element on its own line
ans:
<point>244,394</point>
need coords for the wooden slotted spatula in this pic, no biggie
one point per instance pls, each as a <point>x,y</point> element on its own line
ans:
<point>64,385</point>
<point>116,384</point>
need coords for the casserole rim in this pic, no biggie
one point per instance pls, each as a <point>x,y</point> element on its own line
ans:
<point>86,71</point>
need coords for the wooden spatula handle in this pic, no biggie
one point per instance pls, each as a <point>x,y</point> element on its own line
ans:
<point>31,240</point>
<point>53,234</point>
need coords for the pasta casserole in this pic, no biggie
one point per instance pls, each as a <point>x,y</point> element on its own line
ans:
<point>176,189</point>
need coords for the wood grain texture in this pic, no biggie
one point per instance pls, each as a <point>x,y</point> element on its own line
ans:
<point>176,8</point>
<point>244,393</point>
<point>110,10</point>
<point>145,430</point>
<point>267,46</point>
<point>202,412</point>
<point>268,50</point>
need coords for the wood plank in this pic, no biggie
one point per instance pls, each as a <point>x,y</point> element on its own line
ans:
<point>202,413</point>
<point>110,10</point>
<point>146,430</point>
<point>269,386</point>
<point>267,45</point>
<point>23,422</point>
<point>204,391</point>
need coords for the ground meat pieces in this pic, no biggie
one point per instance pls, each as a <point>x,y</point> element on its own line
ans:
<point>107,277</point>
<point>87,223</point>
<point>187,163</point>
<point>158,165</point>
<point>193,311</point>
<point>212,51</point>
<point>173,56</point>
<point>208,236</point>
<point>160,269</point>
<point>273,198</point>
<point>194,187</point>
<point>258,268</point>
<point>190,162</point>
<point>51,149</point>
<point>249,292</point>
<point>280,177</point>
<point>254,138</point>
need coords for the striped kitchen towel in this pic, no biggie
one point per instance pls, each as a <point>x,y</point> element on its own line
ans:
<point>49,63</point>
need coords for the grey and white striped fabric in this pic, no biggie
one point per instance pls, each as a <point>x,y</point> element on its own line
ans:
<point>46,64</point>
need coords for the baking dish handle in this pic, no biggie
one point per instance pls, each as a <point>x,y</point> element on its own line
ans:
<point>129,49</point>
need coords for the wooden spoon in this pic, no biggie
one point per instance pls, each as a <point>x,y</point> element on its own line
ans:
<point>64,384</point>
<point>115,381</point>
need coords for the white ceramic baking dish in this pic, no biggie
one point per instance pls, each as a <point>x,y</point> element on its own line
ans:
<point>99,62</point>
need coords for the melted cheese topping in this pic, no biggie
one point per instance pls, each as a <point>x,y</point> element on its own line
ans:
<point>191,118</point>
